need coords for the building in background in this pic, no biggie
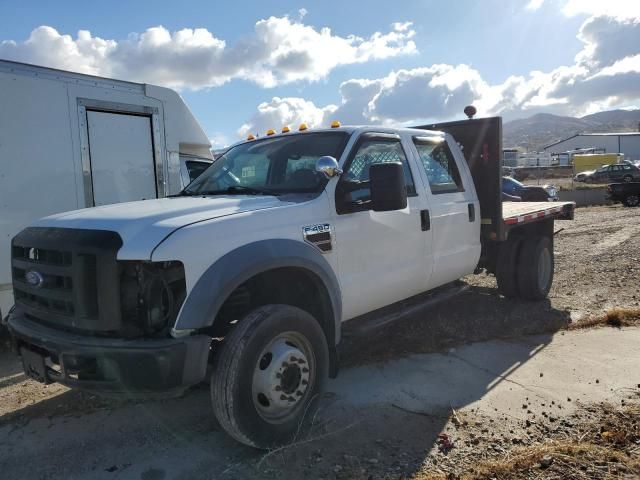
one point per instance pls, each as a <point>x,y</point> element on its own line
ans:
<point>626,143</point>
<point>512,157</point>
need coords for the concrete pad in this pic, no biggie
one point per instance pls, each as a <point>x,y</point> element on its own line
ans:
<point>502,376</point>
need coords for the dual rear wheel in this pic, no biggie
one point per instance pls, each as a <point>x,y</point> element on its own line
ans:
<point>525,266</point>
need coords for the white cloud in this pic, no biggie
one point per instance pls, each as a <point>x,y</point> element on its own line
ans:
<point>219,140</point>
<point>302,13</point>
<point>439,91</point>
<point>608,39</point>
<point>290,111</point>
<point>534,4</point>
<point>279,51</point>
<point>606,73</point>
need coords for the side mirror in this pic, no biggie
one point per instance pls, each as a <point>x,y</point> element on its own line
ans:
<point>388,191</point>
<point>328,166</point>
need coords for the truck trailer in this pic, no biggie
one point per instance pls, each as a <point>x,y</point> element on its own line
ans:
<point>249,274</point>
<point>69,141</point>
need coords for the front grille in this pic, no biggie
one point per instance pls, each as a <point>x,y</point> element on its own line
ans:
<point>55,290</point>
<point>57,274</point>
<point>42,255</point>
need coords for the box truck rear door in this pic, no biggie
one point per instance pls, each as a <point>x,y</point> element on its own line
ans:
<point>121,153</point>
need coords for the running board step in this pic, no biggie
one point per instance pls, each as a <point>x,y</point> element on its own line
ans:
<point>382,317</point>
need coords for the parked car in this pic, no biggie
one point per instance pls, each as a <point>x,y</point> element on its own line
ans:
<point>614,174</point>
<point>634,163</point>
<point>529,193</point>
<point>626,193</point>
<point>582,176</point>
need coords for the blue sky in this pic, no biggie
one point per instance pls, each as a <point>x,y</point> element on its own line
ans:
<point>484,51</point>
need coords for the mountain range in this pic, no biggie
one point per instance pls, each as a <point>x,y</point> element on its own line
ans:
<point>533,133</point>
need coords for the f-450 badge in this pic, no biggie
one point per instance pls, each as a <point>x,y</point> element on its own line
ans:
<point>319,236</point>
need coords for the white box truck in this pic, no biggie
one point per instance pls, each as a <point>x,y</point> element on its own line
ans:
<point>69,141</point>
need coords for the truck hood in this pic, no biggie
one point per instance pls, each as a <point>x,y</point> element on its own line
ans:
<point>143,225</point>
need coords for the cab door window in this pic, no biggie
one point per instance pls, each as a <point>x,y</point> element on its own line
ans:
<point>353,192</point>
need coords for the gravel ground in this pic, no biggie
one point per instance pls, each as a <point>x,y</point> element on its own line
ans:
<point>597,268</point>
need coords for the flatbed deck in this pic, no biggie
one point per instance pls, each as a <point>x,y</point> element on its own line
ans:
<point>514,213</point>
<point>521,212</point>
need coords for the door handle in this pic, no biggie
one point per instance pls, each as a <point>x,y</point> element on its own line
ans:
<point>472,212</point>
<point>425,220</point>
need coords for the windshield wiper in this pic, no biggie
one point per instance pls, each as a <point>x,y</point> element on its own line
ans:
<point>235,189</point>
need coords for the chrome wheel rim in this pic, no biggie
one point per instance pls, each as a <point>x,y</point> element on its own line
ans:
<point>544,269</point>
<point>283,377</point>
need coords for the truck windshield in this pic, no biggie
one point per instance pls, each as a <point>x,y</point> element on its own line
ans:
<point>282,164</point>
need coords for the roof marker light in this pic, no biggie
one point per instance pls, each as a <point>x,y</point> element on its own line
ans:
<point>286,129</point>
<point>251,137</point>
<point>271,131</point>
<point>303,127</point>
<point>335,124</point>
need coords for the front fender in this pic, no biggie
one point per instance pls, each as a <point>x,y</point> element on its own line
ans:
<point>236,267</point>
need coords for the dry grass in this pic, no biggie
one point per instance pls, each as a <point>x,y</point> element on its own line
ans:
<point>607,447</point>
<point>616,317</point>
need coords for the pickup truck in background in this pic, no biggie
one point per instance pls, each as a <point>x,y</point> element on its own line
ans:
<point>70,141</point>
<point>250,272</point>
<point>626,193</point>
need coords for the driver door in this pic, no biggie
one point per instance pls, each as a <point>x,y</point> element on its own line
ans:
<point>383,257</point>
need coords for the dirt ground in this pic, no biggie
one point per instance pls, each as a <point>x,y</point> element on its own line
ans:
<point>503,366</point>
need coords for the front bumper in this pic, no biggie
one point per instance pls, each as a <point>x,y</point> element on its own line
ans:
<point>143,366</point>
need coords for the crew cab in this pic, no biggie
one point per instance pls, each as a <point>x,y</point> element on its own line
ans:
<point>626,193</point>
<point>253,268</point>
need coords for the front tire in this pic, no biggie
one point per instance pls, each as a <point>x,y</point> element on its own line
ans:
<point>268,375</point>
<point>535,268</point>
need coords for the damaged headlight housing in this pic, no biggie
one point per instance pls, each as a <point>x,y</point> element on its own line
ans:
<point>151,294</point>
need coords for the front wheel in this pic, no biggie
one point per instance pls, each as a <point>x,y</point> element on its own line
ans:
<point>632,201</point>
<point>268,375</point>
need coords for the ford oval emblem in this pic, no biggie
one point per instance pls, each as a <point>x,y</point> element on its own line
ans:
<point>33,278</point>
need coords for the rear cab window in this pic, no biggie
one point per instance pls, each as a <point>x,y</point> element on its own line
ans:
<point>439,164</point>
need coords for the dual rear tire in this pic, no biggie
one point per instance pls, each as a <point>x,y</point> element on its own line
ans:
<point>525,267</point>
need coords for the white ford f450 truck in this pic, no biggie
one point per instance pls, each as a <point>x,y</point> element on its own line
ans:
<point>252,269</point>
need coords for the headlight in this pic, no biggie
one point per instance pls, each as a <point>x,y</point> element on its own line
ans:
<point>151,295</point>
